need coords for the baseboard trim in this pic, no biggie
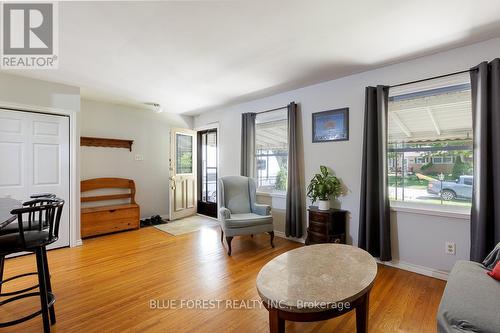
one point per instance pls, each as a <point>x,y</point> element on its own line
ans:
<point>281,234</point>
<point>79,242</point>
<point>435,273</point>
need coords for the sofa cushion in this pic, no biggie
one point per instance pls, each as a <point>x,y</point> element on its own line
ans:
<point>470,301</point>
<point>248,220</point>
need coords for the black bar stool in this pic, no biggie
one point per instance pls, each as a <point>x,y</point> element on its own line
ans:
<point>29,223</point>
<point>38,226</point>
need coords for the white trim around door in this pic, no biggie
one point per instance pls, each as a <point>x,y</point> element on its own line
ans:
<point>74,165</point>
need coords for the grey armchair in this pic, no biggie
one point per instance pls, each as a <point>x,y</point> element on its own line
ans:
<point>240,214</point>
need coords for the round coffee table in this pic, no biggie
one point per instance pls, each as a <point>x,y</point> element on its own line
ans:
<point>317,282</point>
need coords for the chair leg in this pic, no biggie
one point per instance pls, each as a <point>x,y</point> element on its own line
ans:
<point>251,235</point>
<point>52,310</point>
<point>221,235</point>
<point>44,298</point>
<point>2,262</point>
<point>271,233</point>
<point>228,240</point>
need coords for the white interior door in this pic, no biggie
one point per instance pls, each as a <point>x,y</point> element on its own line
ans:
<point>34,155</point>
<point>182,173</point>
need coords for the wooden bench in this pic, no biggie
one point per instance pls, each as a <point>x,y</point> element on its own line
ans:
<point>110,218</point>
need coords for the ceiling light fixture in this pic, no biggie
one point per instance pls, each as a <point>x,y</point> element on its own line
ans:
<point>155,107</point>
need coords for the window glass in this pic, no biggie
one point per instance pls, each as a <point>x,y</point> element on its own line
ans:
<point>468,181</point>
<point>271,151</point>
<point>430,145</point>
<point>209,163</point>
<point>184,153</point>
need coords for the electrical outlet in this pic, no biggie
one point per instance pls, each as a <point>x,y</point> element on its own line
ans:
<point>139,157</point>
<point>450,248</point>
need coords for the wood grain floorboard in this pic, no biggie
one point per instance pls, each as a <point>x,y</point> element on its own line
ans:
<point>107,284</point>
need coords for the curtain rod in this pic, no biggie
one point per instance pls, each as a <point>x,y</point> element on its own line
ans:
<point>433,78</point>
<point>275,109</point>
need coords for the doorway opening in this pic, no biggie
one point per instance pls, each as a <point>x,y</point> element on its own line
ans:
<point>207,172</point>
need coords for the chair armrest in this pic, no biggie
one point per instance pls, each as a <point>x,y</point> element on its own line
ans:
<point>224,213</point>
<point>261,209</point>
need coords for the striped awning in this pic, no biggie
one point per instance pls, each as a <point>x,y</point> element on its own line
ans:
<point>433,115</point>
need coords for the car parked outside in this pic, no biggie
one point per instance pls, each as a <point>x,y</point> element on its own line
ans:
<point>460,189</point>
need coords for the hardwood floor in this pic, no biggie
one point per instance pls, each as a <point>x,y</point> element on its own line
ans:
<point>107,284</point>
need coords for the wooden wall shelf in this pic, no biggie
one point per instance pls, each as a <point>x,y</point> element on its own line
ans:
<point>103,142</point>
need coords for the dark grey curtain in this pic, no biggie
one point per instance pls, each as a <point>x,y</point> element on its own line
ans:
<point>294,207</point>
<point>374,215</point>
<point>248,144</point>
<point>485,213</point>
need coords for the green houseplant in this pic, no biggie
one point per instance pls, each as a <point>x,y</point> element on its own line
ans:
<point>324,186</point>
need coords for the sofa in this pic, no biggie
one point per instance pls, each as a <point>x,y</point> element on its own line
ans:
<point>471,301</point>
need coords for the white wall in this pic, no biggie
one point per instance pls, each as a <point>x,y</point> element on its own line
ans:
<point>150,132</point>
<point>18,90</point>
<point>420,239</point>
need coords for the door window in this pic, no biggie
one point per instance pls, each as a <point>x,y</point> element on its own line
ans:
<point>184,155</point>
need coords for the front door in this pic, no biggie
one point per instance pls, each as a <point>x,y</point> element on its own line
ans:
<point>207,172</point>
<point>34,155</point>
<point>182,173</point>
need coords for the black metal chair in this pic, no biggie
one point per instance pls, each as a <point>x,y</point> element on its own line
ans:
<point>42,195</point>
<point>42,216</point>
<point>29,223</point>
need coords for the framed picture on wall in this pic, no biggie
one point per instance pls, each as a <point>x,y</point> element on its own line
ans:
<point>332,125</point>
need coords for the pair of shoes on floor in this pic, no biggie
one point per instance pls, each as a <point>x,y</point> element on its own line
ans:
<point>154,220</point>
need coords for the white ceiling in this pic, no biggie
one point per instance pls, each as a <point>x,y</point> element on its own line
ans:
<point>191,56</point>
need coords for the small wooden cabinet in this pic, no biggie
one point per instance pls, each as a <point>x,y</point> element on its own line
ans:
<point>326,226</point>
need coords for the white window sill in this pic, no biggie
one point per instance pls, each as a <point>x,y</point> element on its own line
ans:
<point>271,194</point>
<point>423,209</point>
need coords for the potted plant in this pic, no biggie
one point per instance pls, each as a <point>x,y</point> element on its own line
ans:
<point>322,187</point>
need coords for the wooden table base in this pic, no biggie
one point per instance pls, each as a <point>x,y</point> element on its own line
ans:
<point>278,317</point>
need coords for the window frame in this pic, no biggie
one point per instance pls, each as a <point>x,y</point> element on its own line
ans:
<point>451,210</point>
<point>437,160</point>
<point>418,160</point>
